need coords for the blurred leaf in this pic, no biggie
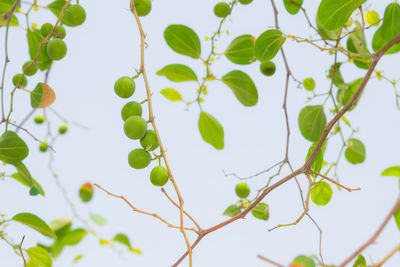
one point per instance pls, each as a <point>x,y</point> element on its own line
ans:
<point>77,258</point>
<point>98,219</point>
<point>312,122</point>
<point>20,178</point>
<point>171,94</point>
<point>183,40</point>
<point>397,218</point>
<point>360,261</point>
<point>178,73</point>
<point>34,222</point>
<point>232,211</point>
<point>302,261</point>
<point>321,193</point>
<point>38,257</point>
<point>392,171</point>
<point>61,226</point>
<point>242,86</point>
<point>211,131</point>
<point>123,239</point>
<point>73,237</point>
<point>268,45</point>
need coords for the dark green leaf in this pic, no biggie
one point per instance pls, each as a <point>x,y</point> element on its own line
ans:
<point>355,151</point>
<point>293,6</point>
<point>171,94</point>
<point>321,193</point>
<point>392,171</point>
<point>211,131</point>
<point>312,122</point>
<point>261,211</point>
<point>360,261</point>
<point>378,42</point>
<point>232,211</point>
<point>34,222</point>
<point>183,40</point>
<point>391,21</point>
<point>242,86</point>
<point>268,45</point>
<point>34,37</point>
<point>38,257</point>
<point>12,148</point>
<point>241,50</point>
<point>178,73</point>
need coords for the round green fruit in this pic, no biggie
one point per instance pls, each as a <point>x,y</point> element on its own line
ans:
<point>242,190</point>
<point>124,87</point>
<point>39,119</point>
<point>143,7</point>
<point>309,84</point>
<point>63,129</point>
<point>139,158</point>
<point>268,68</point>
<point>75,15</point>
<point>86,192</point>
<point>34,191</point>
<point>372,18</point>
<point>159,176</point>
<point>135,127</point>
<point>21,79</point>
<point>245,2</point>
<point>56,49</point>
<point>149,140</point>
<point>31,70</point>
<point>131,109</point>
<point>222,9</point>
<point>43,146</point>
<point>60,32</point>
<point>46,29</point>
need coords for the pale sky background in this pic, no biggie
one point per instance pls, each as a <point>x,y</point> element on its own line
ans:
<point>107,47</point>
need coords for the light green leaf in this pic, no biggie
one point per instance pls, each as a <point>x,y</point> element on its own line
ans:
<point>241,50</point>
<point>232,211</point>
<point>268,45</point>
<point>336,76</point>
<point>397,218</point>
<point>56,7</point>
<point>378,42</point>
<point>12,148</point>
<point>98,219</point>
<point>321,193</point>
<point>392,171</point>
<point>178,73</point>
<point>23,180</point>
<point>261,211</point>
<point>13,21</point>
<point>34,37</point>
<point>346,93</point>
<point>38,257</point>
<point>77,258</point>
<point>391,21</point>
<point>242,86</point>
<point>61,226</point>
<point>325,33</point>
<point>73,237</point>
<point>303,261</point>
<point>360,261</point>
<point>171,94</point>
<point>183,40</point>
<point>211,130</point>
<point>292,6</point>
<point>333,14</point>
<point>123,239</point>
<point>319,159</point>
<point>354,45</point>
<point>34,222</point>
<point>355,151</point>
<point>312,122</point>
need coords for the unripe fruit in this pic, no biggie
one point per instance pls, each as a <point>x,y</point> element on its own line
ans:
<point>39,119</point>
<point>245,2</point>
<point>63,129</point>
<point>60,32</point>
<point>46,29</point>
<point>130,109</point>
<point>124,87</point>
<point>86,192</point>
<point>149,140</point>
<point>222,9</point>
<point>31,70</point>
<point>135,127</point>
<point>372,18</point>
<point>242,190</point>
<point>309,84</point>
<point>139,158</point>
<point>34,191</point>
<point>43,146</point>
<point>143,7</point>
<point>268,68</point>
<point>56,49</point>
<point>17,78</point>
<point>75,15</point>
<point>159,176</point>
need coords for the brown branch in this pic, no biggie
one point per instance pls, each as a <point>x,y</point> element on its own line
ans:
<point>336,183</point>
<point>374,236</point>
<point>387,256</point>
<point>270,261</point>
<point>20,250</point>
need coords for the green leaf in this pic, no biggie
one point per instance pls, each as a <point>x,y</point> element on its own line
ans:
<point>321,193</point>
<point>325,33</point>
<point>391,21</point>
<point>56,7</point>
<point>123,239</point>
<point>293,6</point>
<point>360,261</point>
<point>268,45</point>
<point>336,76</point>
<point>23,180</point>
<point>391,171</point>
<point>34,222</point>
<point>12,148</point>
<point>98,219</point>
<point>183,40</point>
<point>13,21</point>
<point>38,257</point>
<point>34,37</point>
<point>319,159</point>
<point>303,261</point>
<point>378,42</point>
<point>241,50</point>
<point>344,94</point>
<point>312,122</point>
<point>355,151</point>
<point>354,45</point>
<point>397,218</point>
<point>171,94</point>
<point>261,211</point>
<point>232,211</point>
<point>73,237</point>
<point>242,86</point>
<point>333,14</point>
<point>77,258</point>
<point>178,73</point>
<point>61,226</point>
<point>211,131</point>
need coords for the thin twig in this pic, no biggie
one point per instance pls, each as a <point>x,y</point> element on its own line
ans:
<point>20,250</point>
<point>387,256</point>
<point>336,183</point>
<point>270,261</point>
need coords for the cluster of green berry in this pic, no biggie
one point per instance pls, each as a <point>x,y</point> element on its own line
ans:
<point>135,127</point>
<point>223,9</point>
<point>39,119</point>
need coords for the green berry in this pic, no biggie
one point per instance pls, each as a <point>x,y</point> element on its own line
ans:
<point>222,9</point>
<point>46,29</point>
<point>139,158</point>
<point>143,7</point>
<point>130,109</point>
<point>23,81</point>
<point>63,129</point>
<point>56,49</point>
<point>60,32</point>
<point>135,127</point>
<point>372,18</point>
<point>309,84</point>
<point>159,176</point>
<point>75,15</point>
<point>34,191</point>
<point>43,146</point>
<point>39,119</point>
<point>149,140</point>
<point>242,190</point>
<point>268,68</point>
<point>31,70</point>
<point>124,87</point>
<point>86,192</point>
<point>245,2</point>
